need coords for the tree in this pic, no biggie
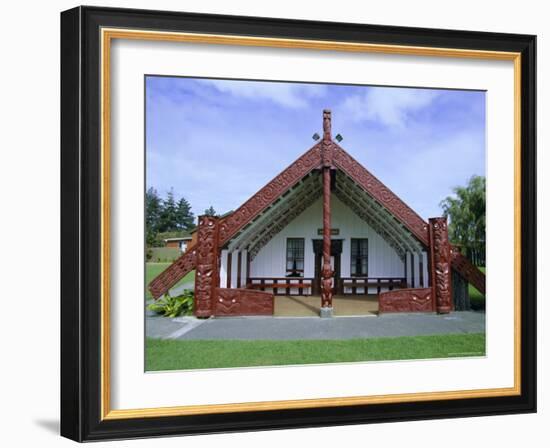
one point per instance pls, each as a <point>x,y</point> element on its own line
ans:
<point>185,220</point>
<point>466,213</point>
<point>165,217</point>
<point>153,210</point>
<point>210,211</point>
<point>168,216</point>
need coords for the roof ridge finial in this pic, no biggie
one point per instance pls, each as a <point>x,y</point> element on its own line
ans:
<point>327,119</point>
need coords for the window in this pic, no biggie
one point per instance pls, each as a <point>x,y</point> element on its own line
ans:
<point>295,257</point>
<point>359,257</point>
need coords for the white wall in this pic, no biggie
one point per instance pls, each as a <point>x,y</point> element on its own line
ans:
<point>383,260</point>
<point>234,268</point>
<point>32,407</point>
<point>223,268</point>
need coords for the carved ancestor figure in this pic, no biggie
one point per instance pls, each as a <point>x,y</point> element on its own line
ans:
<point>441,264</point>
<point>326,124</point>
<point>326,286</point>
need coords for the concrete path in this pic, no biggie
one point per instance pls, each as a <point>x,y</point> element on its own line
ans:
<point>388,325</point>
<point>169,328</point>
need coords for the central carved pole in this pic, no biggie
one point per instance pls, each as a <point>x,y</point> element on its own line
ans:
<point>327,273</point>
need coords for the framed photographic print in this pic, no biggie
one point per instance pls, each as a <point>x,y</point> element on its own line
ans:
<point>273,223</point>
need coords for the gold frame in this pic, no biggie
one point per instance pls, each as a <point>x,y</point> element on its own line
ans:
<point>107,35</point>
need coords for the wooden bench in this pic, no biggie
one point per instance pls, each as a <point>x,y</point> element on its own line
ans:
<point>378,282</point>
<point>277,283</point>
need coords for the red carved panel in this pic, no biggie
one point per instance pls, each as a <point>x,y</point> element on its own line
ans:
<point>207,277</point>
<point>250,209</point>
<point>467,270</point>
<point>176,271</point>
<point>406,300</point>
<point>243,302</point>
<point>416,225</point>
<point>441,264</point>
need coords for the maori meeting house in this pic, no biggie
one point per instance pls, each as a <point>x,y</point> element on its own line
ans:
<point>325,227</point>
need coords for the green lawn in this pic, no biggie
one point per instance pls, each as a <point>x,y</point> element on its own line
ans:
<point>195,354</point>
<point>154,269</point>
<point>477,300</point>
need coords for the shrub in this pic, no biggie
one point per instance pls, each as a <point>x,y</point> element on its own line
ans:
<point>477,303</point>
<point>176,306</point>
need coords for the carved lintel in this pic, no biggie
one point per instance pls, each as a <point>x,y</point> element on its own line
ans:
<point>440,253</point>
<point>207,275</point>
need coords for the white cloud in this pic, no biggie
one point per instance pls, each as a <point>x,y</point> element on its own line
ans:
<point>387,106</point>
<point>284,93</point>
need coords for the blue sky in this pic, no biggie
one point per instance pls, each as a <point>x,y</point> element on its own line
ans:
<point>216,142</point>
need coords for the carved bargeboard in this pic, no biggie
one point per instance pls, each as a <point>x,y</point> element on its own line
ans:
<point>207,276</point>
<point>406,300</point>
<point>243,302</point>
<point>468,271</point>
<point>233,223</point>
<point>176,271</point>
<point>440,249</point>
<point>413,222</point>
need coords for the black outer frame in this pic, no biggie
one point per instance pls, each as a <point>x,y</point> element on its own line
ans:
<point>80,223</point>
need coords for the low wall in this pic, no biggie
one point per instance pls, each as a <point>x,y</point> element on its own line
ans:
<point>406,300</point>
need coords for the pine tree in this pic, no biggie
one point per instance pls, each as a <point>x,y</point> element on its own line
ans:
<point>210,211</point>
<point>153,210</point>
<point>185,220</point>
<point>168,217</point>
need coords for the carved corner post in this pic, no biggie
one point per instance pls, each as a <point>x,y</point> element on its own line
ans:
<point>207,277</point>
<point>440,255</point>
<point>327,273</point>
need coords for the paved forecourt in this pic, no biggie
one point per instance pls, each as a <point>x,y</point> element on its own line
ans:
<point>292,328</point>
